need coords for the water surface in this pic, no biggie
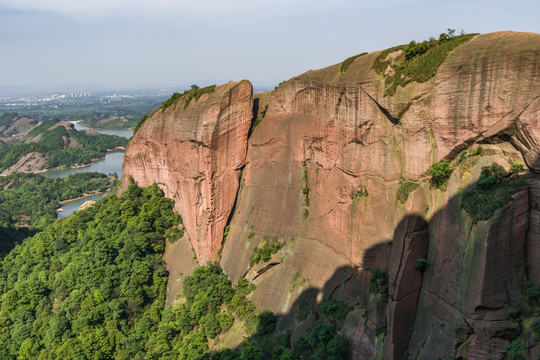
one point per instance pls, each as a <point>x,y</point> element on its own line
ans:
<point>110,165</point>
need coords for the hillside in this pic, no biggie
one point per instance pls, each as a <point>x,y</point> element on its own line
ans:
<point>32,146</point>
<point>371,182</point>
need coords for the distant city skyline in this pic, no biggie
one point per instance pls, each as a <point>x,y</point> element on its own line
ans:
<point>122,44</point>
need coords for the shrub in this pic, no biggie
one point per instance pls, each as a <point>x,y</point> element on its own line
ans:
<point>378,283</point>
<point>493,174</point>
<point>335,311</point>
<point>188,95</point>
<point>536,327</point>
<point>516,168</point>
<point>303,311</point>
<point>482,204</point>
<point>242,282</point>
<point>517,350</point>
<point>530,292</point>
<point>380,329</point>
<point>265,250</point>
<point>418,62</point>
<point>440,173</point>
<point>421,264</point>
<point>266,322</point>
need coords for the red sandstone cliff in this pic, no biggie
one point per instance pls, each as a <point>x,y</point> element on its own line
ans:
<point>321,174</point>
<point>195,153</point>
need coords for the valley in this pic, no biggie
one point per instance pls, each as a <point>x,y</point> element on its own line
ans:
<point>384,207</point>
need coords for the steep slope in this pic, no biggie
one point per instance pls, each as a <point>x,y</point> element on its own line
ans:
<point>324,164</point>
<point>195,151</point>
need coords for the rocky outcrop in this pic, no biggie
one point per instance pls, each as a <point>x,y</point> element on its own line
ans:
<point>324,164</point>
<point>195,153</point>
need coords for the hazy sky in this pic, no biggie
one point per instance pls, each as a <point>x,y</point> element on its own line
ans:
<point>171,43</point>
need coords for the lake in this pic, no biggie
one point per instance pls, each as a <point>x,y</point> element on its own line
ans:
<point>110,165</point>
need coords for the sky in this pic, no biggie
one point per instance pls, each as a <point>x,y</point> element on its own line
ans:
<point>174,43</point>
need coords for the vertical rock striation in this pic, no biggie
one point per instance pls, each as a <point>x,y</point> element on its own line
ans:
<point>324,166</point>
<point>195,153</point>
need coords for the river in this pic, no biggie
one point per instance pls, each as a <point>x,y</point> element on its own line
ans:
<point>110,165</point>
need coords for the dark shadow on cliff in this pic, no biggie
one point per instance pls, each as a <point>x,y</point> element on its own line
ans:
<point>385,307</point>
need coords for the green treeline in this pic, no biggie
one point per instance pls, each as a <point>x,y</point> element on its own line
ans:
<point>93,286</point>
<point>63,148</point>
<point>32,199</point>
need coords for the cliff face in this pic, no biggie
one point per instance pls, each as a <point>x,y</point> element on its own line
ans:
<point>195,153</point>
<point>321,175</point>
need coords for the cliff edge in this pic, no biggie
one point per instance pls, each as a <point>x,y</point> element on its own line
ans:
<point>335,181</point>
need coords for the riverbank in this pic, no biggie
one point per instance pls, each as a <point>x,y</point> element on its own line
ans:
<point>92,162</point>
<point>84,196</point>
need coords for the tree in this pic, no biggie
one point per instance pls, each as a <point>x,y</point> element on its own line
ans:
<point>440,173</point>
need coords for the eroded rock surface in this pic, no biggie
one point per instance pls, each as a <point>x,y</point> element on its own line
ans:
<point>322,171</point>
<point>195,154</point>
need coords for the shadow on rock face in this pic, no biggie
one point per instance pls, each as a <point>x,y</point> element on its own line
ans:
<point>448,287</point>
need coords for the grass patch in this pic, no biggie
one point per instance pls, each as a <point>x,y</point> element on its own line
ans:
<point>345,64</point>
<point>405,188</point>
<point>417,62</point>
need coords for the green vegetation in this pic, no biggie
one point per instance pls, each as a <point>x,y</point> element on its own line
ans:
<point>347,62</point>
<point>516,168</point>
<point>421,265</point>
<point>194,93</point>
<point>303,311</point>
<point>517,350</point>
<point>380,330</point>
<point>174,98</point>
<point>491,175</point>
<point>243,286</point>
<point>278,85</point>
<point>9,119</point>
<point>405,188</point>
<point>361,193</point>
<point>530,292</point>
<point>378,283</point>
<point>321,343</point>
<point>265,250</point>
<point>417,61</point>
<point>32,199</point>
<point>335,311</point>
<point>57,146</point>
<point>495,189</point>
<point>440,173</point>
<point>91,285</point>
<point>140,123</point>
